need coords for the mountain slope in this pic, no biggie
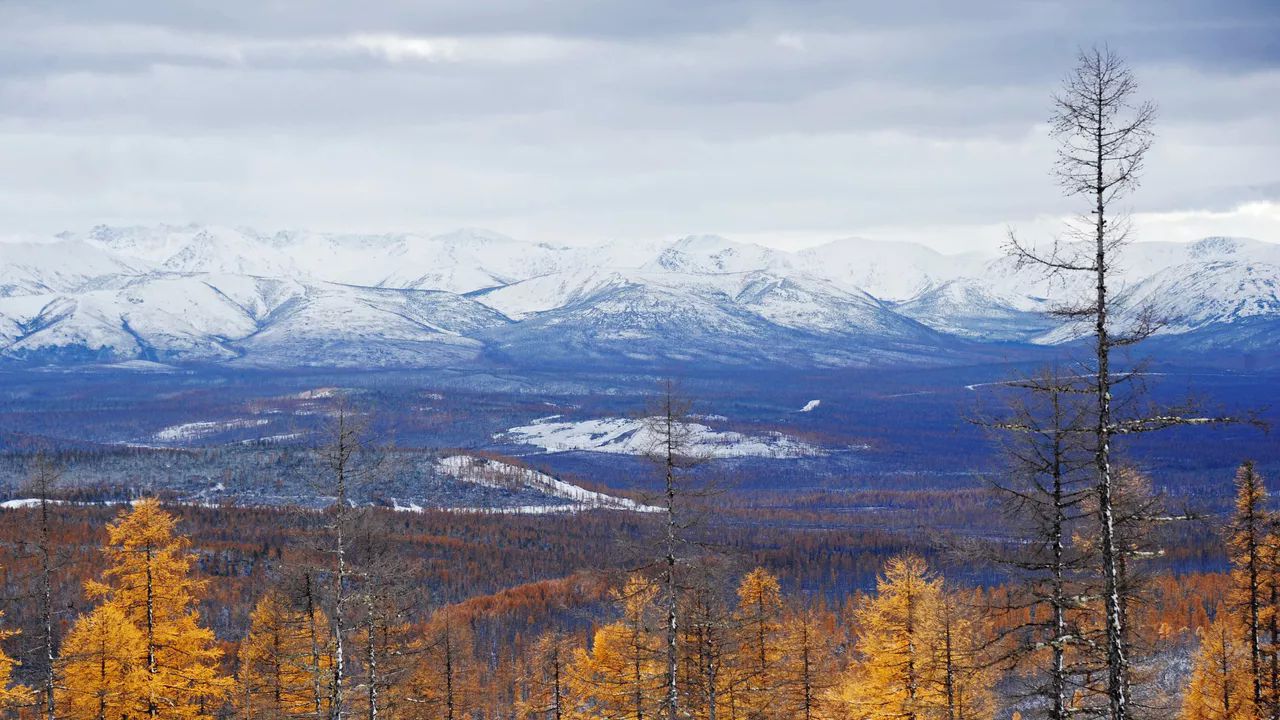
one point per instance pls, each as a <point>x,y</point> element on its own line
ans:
<point>216,294</point>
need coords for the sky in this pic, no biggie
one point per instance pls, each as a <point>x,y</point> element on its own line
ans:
<point>788,122</point>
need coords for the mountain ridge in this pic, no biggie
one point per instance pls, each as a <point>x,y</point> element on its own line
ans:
<point>196,293</point>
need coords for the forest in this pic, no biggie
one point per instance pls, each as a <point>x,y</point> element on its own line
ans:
<point>1067,587</point>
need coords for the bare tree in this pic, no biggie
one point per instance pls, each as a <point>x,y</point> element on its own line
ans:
<point>346,457</point>
<point>1104,134</point>
<point>44,479</point>
<point>674,449</point>
<point>386,593</point>
<point>1046,498</point>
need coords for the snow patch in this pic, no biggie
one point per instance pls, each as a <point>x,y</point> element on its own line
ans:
<point>494,473</point>
<point>626,436</point>
<point>194,430</point>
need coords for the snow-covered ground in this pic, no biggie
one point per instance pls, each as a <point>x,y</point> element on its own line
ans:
<point>194,430</point>
<point>630,436</point>
<point>494,473</point>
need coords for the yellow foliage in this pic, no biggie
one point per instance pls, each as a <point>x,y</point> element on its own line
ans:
<point>620,677</point>
<point>148,582</point>
<point>444,685</point>
<point>1220,680</point>
<point>102,667</point>
<point>756,672</point>
<point>285,664</point>
<point>916,653</point>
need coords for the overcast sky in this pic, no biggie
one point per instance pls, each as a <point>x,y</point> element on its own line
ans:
<point>568,121</point>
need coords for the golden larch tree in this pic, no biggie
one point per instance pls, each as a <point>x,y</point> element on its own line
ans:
<point>962,675</point>
<point>891,675</point>
<point>756,668</point>
<point>445,684</point>
<point>808,669</point>
<point>281,672</point>
<point>101,671</point>
<point>546,678</point>
<point>620,676</point>
<point>1221,686</point>
<point>1246,541</point>
<point>148,578</point>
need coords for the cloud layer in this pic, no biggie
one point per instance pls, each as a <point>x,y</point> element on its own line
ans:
<point>787,122</point>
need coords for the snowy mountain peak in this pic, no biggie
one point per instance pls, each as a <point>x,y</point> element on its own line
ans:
<point>1219,246</point>
<point>715,254</point>
<point>220,294</point>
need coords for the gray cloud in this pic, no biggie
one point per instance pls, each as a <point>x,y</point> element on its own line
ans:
<point>582,119</point>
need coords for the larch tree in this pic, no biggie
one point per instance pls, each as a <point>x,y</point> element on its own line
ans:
<point>709,636</point>
<point>349,461</point>
<point>102,668</point>
<point>11,696</point>
<point>890,674</point>
<point>621,676</point>
<point>809,640</point>
<point>1045,494</point>
<point>1270,619</point>
<point>672,449</point>
<point>757,671</point>
<point>148,578</point>
<point>1220,687</point>
<point>962,675</point>
<point>547,672</point>
<point>1246,541</point>
<point>278,666</point>
<point>42,483</point>
<point>319,644</point>
<point>384,594</point>
<point>444,684</point>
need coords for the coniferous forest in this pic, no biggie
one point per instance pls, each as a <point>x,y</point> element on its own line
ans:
<point>1062,579</point>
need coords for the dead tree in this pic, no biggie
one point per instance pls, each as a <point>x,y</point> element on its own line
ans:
<point>673,447</point>
<point>346,457</point>
<point>386,593</point>
<point>1045,494</point>
<point>1104,134</point>
<point>43,481</point>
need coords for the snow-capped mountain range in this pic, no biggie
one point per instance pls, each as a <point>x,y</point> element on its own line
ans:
<point>200,294</point>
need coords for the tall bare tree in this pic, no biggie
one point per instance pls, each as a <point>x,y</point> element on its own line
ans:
<point>1104,133</point>
<point>347,459</point>
<point>43,481</point>
<point>674,449</point>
